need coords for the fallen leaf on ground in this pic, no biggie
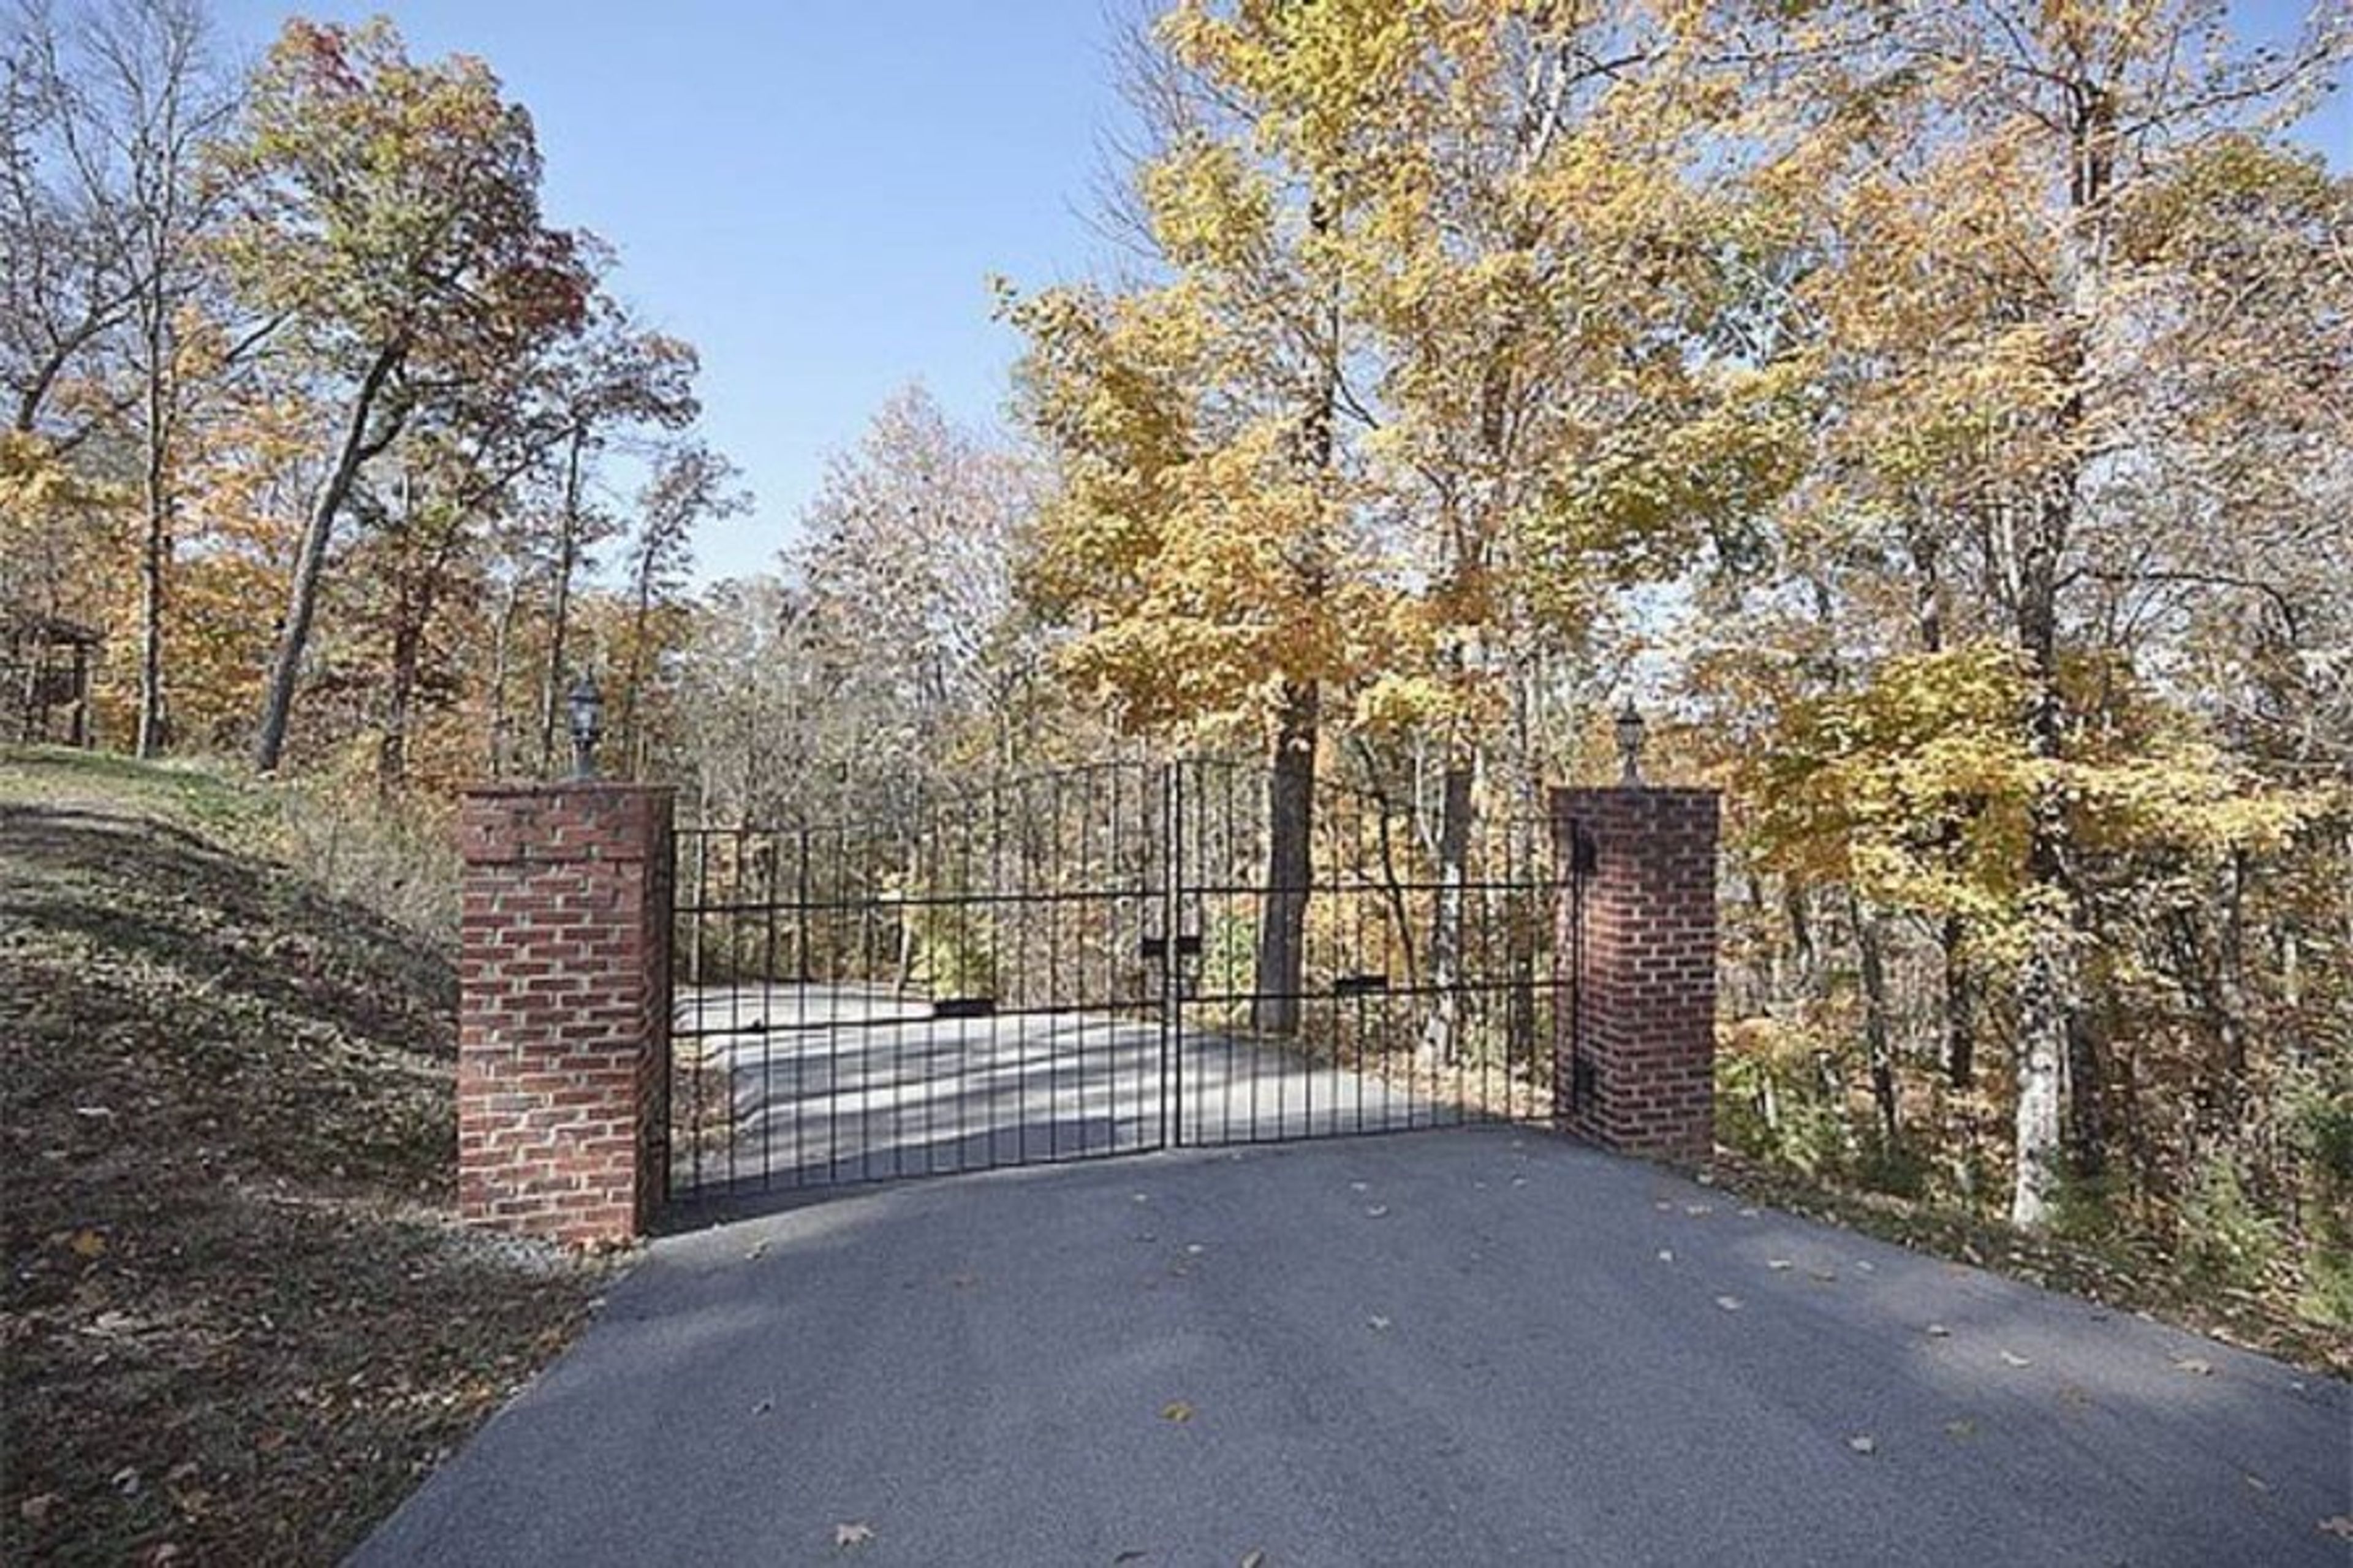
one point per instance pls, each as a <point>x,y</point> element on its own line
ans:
<point>1729,1303</point>
<point>1376,1211</point>
<point>1253,1559</point>
<point>1377,1321</point>
<point>1776,1264</point>
<point>1194,1250</point>
<point>849,1535</point>
<point>1962,1428</point>
<point>2339,1525</point>
<point>34,1509</point>
<point>1863,1267</point>
<point>88,1244</point>
<point>1666,1255</point>
<point>1938,1331</point>
<point>1360,1186</point>
<point>2194,1365</point>
<point>2256,1481</point>
<point>1863,1443</point>
<point>2010,1358</point>
<point>1176,1410</point>
<point>755,1250</point>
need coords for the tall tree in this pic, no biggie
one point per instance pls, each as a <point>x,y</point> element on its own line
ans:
<point>2008,337</point>
<point>1201,536</point>
<point>389,212</point>
<point>615,379</point>
<point>70,283</point>
<point>690,485</point>
<point>112,108</point>
<point>907,562</point>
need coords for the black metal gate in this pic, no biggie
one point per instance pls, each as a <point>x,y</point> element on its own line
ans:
<point>1069,965</point>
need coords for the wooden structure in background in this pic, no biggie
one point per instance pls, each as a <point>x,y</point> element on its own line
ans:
<point>46,665</point>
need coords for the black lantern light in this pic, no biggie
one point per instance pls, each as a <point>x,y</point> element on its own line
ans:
<point>587,705</point>
<point>1629,745</point>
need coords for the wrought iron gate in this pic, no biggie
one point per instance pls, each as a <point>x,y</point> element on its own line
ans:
<point>1067,966</point>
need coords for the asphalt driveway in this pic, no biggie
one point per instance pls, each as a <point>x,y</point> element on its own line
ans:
<point>1468,1346</point>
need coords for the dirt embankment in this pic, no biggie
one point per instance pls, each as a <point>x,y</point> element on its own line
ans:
<point>239,1320</point>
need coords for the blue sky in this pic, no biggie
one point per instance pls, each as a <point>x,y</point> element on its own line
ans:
<point>815,192</point>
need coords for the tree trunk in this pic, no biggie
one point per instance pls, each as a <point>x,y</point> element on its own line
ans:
<point>1290,865</point>
<point>2046,981</point>
<point>501,656</point>
<point>2087,1111</point>
<point>567,554</point>
<point>1442,1031</point>
<point>1291,774</point>
<point>154,554</point>
<point>633,682</point>
<point>1871,947</point>
<point>1960,1004</point>
<point>392,747</point>
<point>1528,913</point>
<point>310,557</point>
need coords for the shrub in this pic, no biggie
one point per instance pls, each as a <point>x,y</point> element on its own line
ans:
<point>2225,1239</point>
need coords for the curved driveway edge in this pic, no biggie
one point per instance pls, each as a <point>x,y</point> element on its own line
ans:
<point>1472,1346</point>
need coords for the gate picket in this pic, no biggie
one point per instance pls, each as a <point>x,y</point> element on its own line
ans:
<point>1066,966</point>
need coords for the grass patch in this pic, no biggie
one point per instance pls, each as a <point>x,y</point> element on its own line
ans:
<point>239,1320</point>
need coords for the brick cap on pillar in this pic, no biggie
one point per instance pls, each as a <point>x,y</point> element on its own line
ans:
<point>1566,795</point>
<point>600,819</point>
<point>505,788</point>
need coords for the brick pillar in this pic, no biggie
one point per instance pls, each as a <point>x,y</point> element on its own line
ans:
<point>1634,1047</point>
<point>564,1008</point>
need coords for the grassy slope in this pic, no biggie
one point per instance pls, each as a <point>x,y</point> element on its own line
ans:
<point>2121,1273</point>
<point>239,1318</point>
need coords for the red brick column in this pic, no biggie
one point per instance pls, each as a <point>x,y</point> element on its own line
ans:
<point>564,1008</point>
<point>1635,1052</point>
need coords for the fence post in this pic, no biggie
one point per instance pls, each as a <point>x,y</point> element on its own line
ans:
<point>1634,1035</point>
<point>564,1008</point>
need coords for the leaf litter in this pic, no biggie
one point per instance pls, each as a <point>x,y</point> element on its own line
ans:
<point>246,1084</point>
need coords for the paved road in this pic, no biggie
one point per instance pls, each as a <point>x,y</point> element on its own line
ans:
<point>829,1084</point>
<point>1473,1346</point>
